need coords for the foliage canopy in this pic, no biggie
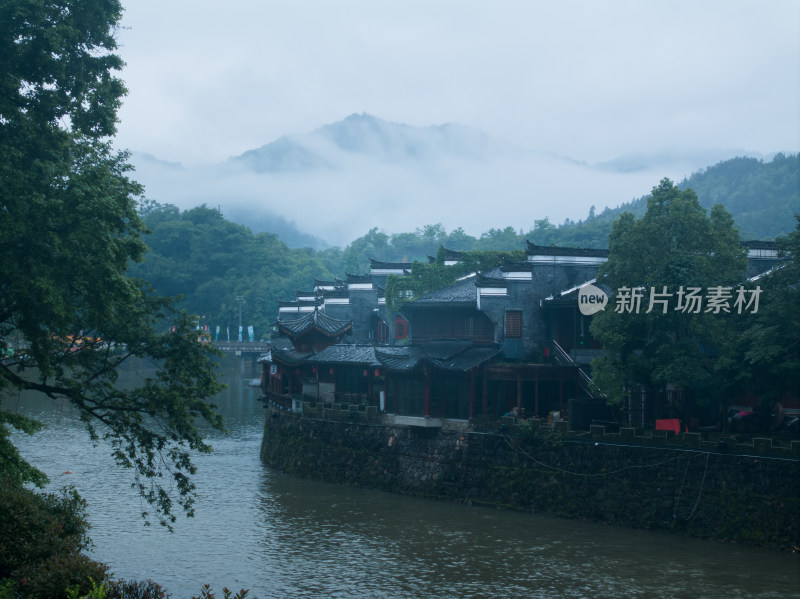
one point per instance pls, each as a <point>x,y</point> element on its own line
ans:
<point>674,246</point>
<point>763,359</point>
<point>70,315</point>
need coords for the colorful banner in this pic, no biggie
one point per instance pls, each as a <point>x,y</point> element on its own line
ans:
<point>216,337</point>
<point>250,333</point>
<point>240,332</point>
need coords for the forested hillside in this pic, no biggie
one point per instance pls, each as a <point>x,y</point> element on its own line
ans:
<point>762,196</point>
<point>210,260</point>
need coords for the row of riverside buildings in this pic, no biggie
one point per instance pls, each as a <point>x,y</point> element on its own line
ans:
<point>511,340</point>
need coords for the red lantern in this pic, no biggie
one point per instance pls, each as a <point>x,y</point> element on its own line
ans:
<point>331,370</point>
<point>377,372</point>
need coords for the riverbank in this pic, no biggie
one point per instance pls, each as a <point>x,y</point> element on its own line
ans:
<point>747,495</point>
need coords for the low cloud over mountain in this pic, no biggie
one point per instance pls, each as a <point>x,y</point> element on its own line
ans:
<point>342,179</point>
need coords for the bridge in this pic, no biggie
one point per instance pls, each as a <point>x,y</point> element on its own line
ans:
<point>242,347</point>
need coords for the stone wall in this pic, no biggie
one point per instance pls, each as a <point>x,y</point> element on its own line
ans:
<point>742,494</point>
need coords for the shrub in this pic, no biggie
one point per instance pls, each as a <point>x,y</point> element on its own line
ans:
<point>37,526</point>
<point>207,593</point>
<point>135,589</point>
<point>58,576</point>
<point>41,537</point>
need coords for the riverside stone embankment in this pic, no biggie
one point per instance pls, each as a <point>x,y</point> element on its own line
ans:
<point>746,494</point>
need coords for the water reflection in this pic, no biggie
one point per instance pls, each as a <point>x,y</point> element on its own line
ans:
<point>392,546</point>
<point>286,537</point>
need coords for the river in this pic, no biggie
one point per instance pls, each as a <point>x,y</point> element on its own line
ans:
<point>284,537</point>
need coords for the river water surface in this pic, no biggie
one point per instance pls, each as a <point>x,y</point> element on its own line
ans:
<point>281,536</point>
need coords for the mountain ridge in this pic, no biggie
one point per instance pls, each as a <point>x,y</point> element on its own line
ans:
<point>329,185</point>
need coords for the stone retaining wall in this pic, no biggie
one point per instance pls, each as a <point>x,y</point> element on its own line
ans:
<point>751,497</point>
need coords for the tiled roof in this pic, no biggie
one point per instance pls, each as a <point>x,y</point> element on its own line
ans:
<point>463,292</point>
<point>469,358</point>
<point>338,292</point>
<point>444,349</point>
<point>297,303</point>
<point>452,255</point>
<point>444,355</point>
<point>397,361</point>
<point>320,283</point>
<point>351,279</point>
<point>316,320</point>
<point>378,265</point>
<point>546,250</point>
<point>346,354</point>
<point>507,265</point>
<point>289,357</point>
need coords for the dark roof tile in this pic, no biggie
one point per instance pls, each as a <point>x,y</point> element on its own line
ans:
<point>346,354</point>
<point>546,250</point>
<point>462,292</point>
<point>353,279</point>
<point>317,320</point>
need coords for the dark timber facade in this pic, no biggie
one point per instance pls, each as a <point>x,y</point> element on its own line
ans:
<point>509,340</point>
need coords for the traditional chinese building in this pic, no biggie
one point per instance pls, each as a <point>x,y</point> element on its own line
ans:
<point>482,345</point>
<point>511,339</point>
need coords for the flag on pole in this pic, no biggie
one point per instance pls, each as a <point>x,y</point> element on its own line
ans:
<point>250,333</point>
<point>216,337</point>
<point>240,332</point>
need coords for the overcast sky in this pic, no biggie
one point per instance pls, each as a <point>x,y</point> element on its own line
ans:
<point>590,80</point>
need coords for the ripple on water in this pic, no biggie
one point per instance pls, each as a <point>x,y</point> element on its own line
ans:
<point>286,537</point>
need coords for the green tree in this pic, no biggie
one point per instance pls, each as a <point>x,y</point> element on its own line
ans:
<point>372,245</point>
<point>674,247</point>
<point>209,261</point>
<point>764,360</point>
<point>500,239</point>
<point>70,314</point>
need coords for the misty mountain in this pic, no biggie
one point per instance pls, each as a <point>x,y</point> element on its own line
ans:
<point>685,160</point>
<point>330,185</point>
<point>366,136</point>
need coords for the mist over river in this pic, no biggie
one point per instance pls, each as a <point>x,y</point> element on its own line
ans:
<point>281,536</point>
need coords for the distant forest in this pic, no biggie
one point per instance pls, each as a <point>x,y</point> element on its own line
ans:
<point>210,260</point>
